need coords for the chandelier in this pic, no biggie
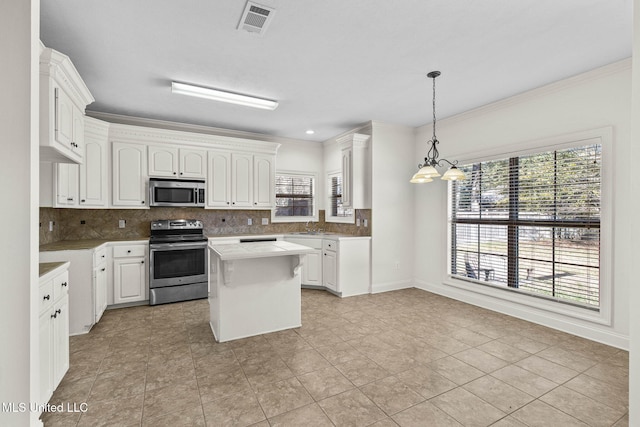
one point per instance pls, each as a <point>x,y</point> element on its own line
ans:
<point>427,170</point>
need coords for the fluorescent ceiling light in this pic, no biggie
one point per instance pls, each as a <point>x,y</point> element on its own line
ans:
<point>219,95</point>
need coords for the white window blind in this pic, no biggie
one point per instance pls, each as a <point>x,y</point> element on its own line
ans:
<point>294,196</point>
<point>531,223</point>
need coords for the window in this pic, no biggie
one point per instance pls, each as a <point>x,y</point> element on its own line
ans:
<point>295,197</point>
<point>335,211</point>
<point>531,223</point>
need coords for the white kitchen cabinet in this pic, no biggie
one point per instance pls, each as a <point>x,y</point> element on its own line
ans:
<point>130,268</point>
<point>100,278</point>
<point>218,179</point>
<point>356,171</point>
<point>66,185</point>
<point>330,265</point>
<point>93,171</point>
<point>130,178</point>
<point>82,295</point>
<point>240,180</point>
<point>174,162</point>
<point>53,330</point>
<point>311,262</point>
<point>63,99</point>
<point>264,178</point>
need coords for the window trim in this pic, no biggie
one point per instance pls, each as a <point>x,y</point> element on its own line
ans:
<point>351,219</point>
<point>602,136</point>
<point>314,217</point>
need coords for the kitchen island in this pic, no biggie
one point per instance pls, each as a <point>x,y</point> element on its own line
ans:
<point>254,288</point>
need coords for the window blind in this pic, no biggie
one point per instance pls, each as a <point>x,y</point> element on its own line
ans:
<point>294,195</point>
<point>337,210</point>
<point>531,223</point>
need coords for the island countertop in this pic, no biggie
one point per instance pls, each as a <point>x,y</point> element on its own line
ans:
<point>249,250</point>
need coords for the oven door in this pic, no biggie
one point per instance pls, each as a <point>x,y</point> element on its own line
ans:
<point>172,264</point>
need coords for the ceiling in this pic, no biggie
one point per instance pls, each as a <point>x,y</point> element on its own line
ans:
<point>331,64</point>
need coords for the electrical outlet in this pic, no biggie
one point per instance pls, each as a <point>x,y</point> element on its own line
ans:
<point>357,222</point>
<point>249,221</point>
<point>366,223</point>
<point>265,221</point>
<point>50,225</point>
<point>122,223</point>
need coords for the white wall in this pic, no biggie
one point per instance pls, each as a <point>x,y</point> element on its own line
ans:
<point>304,156</point>
<point>597,99</point>
<point>19,33</point>
<point>634,160</point>
<point>393,164</point>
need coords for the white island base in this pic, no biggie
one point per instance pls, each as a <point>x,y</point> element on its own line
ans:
<point>255,288</point>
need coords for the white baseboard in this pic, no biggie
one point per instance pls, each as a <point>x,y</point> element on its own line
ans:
<point>557,321</point>
<point>376,288</point>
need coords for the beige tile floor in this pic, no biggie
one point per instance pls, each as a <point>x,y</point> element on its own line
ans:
<point>407,358</point>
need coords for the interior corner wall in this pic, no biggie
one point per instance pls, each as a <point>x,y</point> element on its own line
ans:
<point>393,162</point>
<point>634,160</point>
<point>596,99</point>
<point>19,374</point>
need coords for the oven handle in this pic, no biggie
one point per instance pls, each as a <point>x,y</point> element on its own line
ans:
<point>177,246</point>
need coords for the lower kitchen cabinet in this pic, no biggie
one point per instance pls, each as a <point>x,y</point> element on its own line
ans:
<point>341,264</point>
<point>130,274</point>
<point>100,279</point>
<point>53,330</point>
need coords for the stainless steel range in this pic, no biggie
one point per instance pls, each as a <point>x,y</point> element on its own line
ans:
<point>178,261</point>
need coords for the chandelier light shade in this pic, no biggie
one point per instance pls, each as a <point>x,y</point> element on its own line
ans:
<point>427,171</point>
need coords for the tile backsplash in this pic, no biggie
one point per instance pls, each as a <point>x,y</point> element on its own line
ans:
<point>74,224</point>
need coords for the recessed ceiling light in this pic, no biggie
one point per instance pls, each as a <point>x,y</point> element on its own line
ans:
<point>220,95</point>
<point>310,132</point>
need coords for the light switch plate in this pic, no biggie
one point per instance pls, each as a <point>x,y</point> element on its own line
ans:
<point>357,222</point>
<point>249,221</point>
<point>366,223</point>
<point>122,223</point>
<point>265,221</point>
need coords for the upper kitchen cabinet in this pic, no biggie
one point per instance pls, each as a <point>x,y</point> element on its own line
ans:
<point>356,171</point>
<point>240,180</point>
<point>129,174</point>
<point>63,99</point>
<point>93,171</point>
<point>167,161</point>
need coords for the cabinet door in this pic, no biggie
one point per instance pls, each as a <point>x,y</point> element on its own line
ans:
<point>93,173</point>
<point>347,177</point>
<point>46,356</point>
<point>330,270</point>
<point>100,277</point>
<point>163,161</point>
<point>263,181</point>
<point>312,269</point>
<point>63,118</point>
<point>241,180</point>
<point>129,280</point>
<point>129,174</point>
<point>219,179</point>
<point>193,163</point>
<point>66,185</point>
<point>60,340</point>
<point>77,141</point>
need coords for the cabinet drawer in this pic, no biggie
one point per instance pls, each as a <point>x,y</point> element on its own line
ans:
<point>46,295</point>
<point>330,245</point>
<point>128,251</point>
<point>60,285</point>
<point>99,256</point>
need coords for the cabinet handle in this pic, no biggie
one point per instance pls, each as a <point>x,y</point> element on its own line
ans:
<point>180,173</point>
<point>64,284</point>
<point>142,202</point>
<point>255,203</point>
<point>47,297</point>
<point>102,256</point>
<point>82,201</point>
<point>69,199</point>
<point>129,251</point>
<point>227,202</point>
<point>54,315</point>
<point>174,173</point>
<point>58,311</point>
<point>103,269</point>
<point>141,262</point>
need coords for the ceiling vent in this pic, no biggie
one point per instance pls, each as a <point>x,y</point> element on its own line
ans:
<point>256,18</point>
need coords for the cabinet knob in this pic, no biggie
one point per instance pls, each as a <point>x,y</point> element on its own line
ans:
<point>54,315</point>
<point>174,173</point>
<point>255,203</point>
<point>227,202</point>
<point>129,251</point>
<point>64,284</point>
<point>141,262</point>
<point>142,202</point>
<point>103,269</point>
<point>47,297</point>
<point>180,173</point>
<point>58,311</point>
<point>82,201</point>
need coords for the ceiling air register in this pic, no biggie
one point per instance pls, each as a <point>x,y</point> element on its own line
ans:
<point>256,18</point>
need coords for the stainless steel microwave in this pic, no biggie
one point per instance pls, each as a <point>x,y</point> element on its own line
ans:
<point>174,192</point>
